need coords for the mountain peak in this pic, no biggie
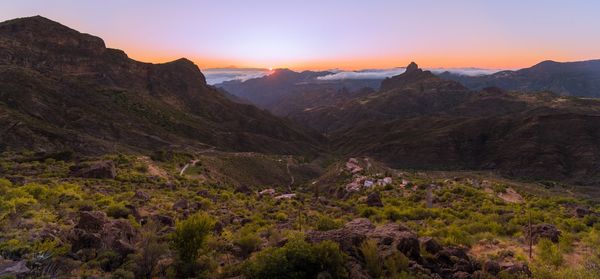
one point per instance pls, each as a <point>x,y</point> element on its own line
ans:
<point>48,35</point>
<point>412,67</point>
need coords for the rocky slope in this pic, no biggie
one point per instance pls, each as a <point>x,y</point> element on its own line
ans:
<point>61,89</point>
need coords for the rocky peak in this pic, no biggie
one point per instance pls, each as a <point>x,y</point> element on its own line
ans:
<point>43,33</point>
<point>412,67</point>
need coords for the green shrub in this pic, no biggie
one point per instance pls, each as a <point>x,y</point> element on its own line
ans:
<point>248,242</point>
<point>117,211</point>
<point>371,257</point>
<point>396,265</point>
<point>298,260</point>
<point>326,223</point>
<point>189,237</point>
<point>548,253</point>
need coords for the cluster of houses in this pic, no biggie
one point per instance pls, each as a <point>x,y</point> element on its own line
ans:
<point>270,192</point>
<point>360,181</point>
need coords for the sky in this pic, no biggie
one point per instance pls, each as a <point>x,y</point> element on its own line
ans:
<point>326,34</point>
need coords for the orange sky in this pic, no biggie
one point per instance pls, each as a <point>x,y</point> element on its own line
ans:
<point>344,34</point>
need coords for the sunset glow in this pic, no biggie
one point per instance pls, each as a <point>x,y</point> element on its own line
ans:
<point>319,35</point>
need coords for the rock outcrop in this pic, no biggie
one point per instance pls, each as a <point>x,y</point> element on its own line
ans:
<point>441,261</point>
<point>95,230</point>
<point>540,231</point>
<point>100,170</point>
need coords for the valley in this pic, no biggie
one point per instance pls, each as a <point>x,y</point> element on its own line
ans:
<point>116,168</point>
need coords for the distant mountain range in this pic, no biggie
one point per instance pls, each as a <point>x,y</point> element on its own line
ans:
<point>580,79</point>
<point>64,90</point>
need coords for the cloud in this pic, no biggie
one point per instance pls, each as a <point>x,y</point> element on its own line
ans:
<point>383,73</point>
<point>466,71</point>
<point>218,75</point>
<point>363,74</point>
<point>214,76</point>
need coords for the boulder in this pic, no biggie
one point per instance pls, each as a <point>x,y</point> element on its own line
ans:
<point>10,269</point>
<point>350,236</point>
<point>243,189</point>
<point>181,204</point>
<point>101,170</point>
<point>517,269</point>
<point>430,245</point>
<point>491,267</point>
<point>91,221</point>
<point>163,219</point>
<point>374,199</point>
<point>141,195</point>
<point>446,262</point>
<point>543,231</point>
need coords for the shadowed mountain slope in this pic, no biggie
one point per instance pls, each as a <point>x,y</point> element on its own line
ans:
<point>61,89</point>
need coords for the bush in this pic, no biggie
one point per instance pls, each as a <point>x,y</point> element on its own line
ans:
<point>548,253</point>
<point>326,223</point>
<point>248,243</point>
<point>370,255</point>
<point>189,237</point>
<point>297,260</point>
<point>117,211</point>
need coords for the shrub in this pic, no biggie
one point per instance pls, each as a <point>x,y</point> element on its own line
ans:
<point>396,265</point>
<point>370,255</point>
<point>248,242</point>
<point>548,253</point>
<point>189,237</point>
<point>117,211</point>
<point>326,223</point>
<point>297,260</point>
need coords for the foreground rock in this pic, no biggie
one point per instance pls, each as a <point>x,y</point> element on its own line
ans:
<point>540,231</point>
<point>95,230</point>
<point>101,170</point>
<point>10,269</point>
<point>441,262</point>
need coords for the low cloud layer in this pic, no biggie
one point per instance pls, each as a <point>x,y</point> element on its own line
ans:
<point>383,73</point>
<point>214,76</point>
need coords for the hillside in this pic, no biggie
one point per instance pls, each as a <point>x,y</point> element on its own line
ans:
<point>61,89</point>
<point>418,120</point>
<point>580,79</point>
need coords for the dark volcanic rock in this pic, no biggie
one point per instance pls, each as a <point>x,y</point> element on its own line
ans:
<point>11,269</point>
<point>102,170</point>
<point>141,195</point>
<point>543,231</point>
<point>374,199</point>
<point>181,204</point>
<point>447,262</point>
<point>91,221</point>
<point>430,245</point>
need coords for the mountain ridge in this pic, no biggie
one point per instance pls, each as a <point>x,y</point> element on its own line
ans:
<point>74,92</point>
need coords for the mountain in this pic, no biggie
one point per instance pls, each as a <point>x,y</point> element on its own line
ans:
<point>421,121</point>
<point>61,89</point>
<point>284,92</point>
<point>568,79</point>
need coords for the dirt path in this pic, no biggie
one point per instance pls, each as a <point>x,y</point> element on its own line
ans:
<point>192,163</point>
<point>153,169</point>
